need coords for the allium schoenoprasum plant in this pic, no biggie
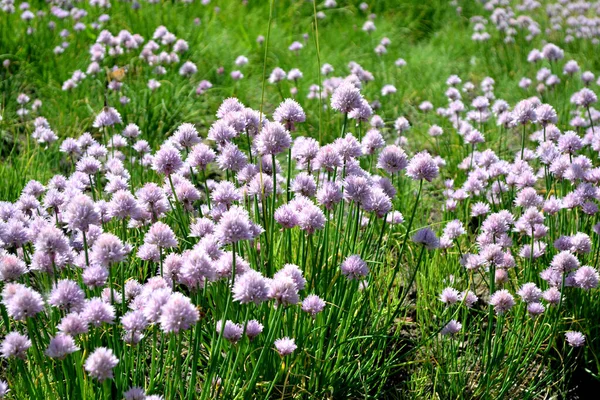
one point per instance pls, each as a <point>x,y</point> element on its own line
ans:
<point>310,200</point>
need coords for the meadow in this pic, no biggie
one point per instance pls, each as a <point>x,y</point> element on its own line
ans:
<point>393,199</point>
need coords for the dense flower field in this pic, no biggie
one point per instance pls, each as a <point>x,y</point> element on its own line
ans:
<point>329,200</point>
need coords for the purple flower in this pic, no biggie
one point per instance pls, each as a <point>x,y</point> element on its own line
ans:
<point>81,213</point>
<point>450,296</point>
<point>422,166</point>
<point>178,314</point>
<point>67,295</point>
<point>108,249</point>
<point>235,225</point>
<point>231,158</point>
<point>427,238</point>
<point>21,301</point>
<point>161,235</point>
<point>575,338</point>
<point>345,98</point>
<point>231,331</point>
<point>11,267</point>
<point>586,277</point>
<point>61,346</point>
<point>272,139</point>
<point>200,156</point>
<point>186,135</point>
<point>283,290</point>
<point>288,113</point>
<point>530,293</point>
<point>392,159</point>
<point>72,324</point>
<point>100,364</point>
<point>253,329</point>
<point>354,267</point>
<point>250,288</point>
<point>502,301</point>
<point>524,112</point>
<point>451,328</point>
<point>313,305</point>
<point>107,117</point>
<point>15,345</point>
<point>96,312</point>
<point>285,346</point>
<point>167,160</point>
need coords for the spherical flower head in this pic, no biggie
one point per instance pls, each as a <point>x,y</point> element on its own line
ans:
<point>107,117</point>
<point>285,346</point>
<point>61,346</point>
<point>530,293</point>
<point>524,112</point>
<point>222,132</point>
<point>502,301</point>
<point>108,249</point>
<point>135,393</point>
<point>235,225</point>
<point>15,345</point>
<point>251,287</point>
<point>229,105</point>
<point>345,98</point>
<point>178,314</point>
<point>361,113</point>
<point>311,218</point>
<point>272,139</point>
<point>313,305</point>
<point>586,277</point>
<point>11,267</point>
<point>81,213</point>
<point>253,328</point>
<point>546,114</point>
<point>354,267</point>
<point>197,268</point>
<point>21,301</point>
<point>454,229</point>
<point>288,113</point>
<point>392,159</point>
<point>167,160</point>
<point>231,331</point>
<point>552,295</point>
<point>96,312</point>
<point>535,309</point>
<point>575,338</point>
<point>67,295</point>
<point>3,385</point>
<point>283,290</point>
<point>94,276</point>
<point>422,166</point>
<point>450,296</point>
<point>161,235</point>
<point>100,364</point>
<point>72,324</point>
<point>552,52</point>
<point>200,156</point>
<point>451,328</point>
<point>295,273</point>
<point>277,75</point>
<point>580,243</point>
<point>329,194</point>
<point>584,98</point>
<point>564,261</point>
<point>372,141</point>
<point>225,193</point>
<point>427,238</point>
<point>186,135</point>
<point>231,158</point>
